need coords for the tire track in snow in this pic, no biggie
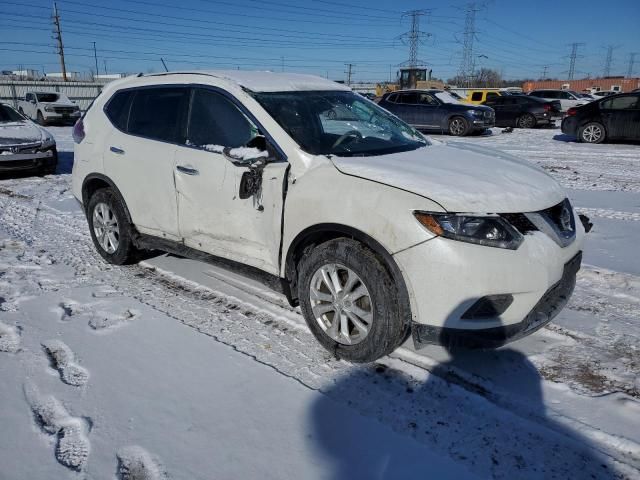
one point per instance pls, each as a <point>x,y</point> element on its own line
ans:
<point>444,416</point>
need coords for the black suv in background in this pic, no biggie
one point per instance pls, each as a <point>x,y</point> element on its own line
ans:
<point>437,110</point>
<point>616,117</point>
<point>524,111</point>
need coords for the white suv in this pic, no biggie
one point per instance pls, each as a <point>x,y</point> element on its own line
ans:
<point>374,230</point>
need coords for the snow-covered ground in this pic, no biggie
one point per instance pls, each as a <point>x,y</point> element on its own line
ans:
<point>177,369</point>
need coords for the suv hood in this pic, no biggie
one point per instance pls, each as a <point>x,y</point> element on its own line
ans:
<point>461,178</point>
<point>16,133</point>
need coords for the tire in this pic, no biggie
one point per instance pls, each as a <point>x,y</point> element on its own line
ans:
<point>378,309</point>
<point>104,203</point>
<point>592,132</point>
<point>458,127</point>
<point>527,121</point>
<point>40,118</point>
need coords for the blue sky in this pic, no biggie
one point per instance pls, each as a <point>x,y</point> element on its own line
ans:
<point>519,38</point>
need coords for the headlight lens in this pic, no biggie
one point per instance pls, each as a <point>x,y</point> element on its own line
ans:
<point>47,142</point>
<point>49,109</point>
<point>490,231</point>
<point>477,113</point>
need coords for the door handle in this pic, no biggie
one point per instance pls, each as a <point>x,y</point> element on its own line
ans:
<point>117,150</point>
<point>187,170</point>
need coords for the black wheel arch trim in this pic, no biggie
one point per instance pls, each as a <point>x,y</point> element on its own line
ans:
<point>335,230</point>
<point>103,178</point>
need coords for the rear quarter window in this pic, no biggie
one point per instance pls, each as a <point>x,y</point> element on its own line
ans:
<point>476,96</point>
<point>117,109</point>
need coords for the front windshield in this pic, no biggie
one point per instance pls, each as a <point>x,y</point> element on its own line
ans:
<point>47,97</point>
<point>8,114</point>
<point>339,123</point>
<point>446,97</point>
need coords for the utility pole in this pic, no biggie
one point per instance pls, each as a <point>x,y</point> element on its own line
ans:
<point>95,56</point>
<point>632,60</point>
<point>349,72</point>
<point>104,60</point>
<point>608,60</point>
<point>572,58</point>
<point>467,65</point>
<point>58,36</point>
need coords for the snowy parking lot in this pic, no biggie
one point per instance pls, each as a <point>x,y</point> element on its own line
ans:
<point>178,369</point>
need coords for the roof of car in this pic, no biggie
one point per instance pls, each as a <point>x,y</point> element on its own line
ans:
<point>265,81</point>
<point>430,90</point>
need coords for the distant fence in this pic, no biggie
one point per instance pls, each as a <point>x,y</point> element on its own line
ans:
<point>82,93</point>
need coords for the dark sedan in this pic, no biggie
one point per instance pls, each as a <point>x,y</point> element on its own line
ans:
<point>524,111</point>
<point>613,118</point>
<point>437,110</point>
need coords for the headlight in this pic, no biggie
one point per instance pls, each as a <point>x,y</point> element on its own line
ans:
<point>49,109</point>
<point>48,142</point>
<point>477,113</point>
<point>76,108</point>
<point>490,231</point>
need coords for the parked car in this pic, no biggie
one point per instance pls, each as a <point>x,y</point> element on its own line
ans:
<point>25,145</point>
<point>437,110</point>
<point>567,98</point>
<point>524,111</point>
<point>49,107</point>
<point>355,220</point>
<point>603,93</point>
<point>480,96</point>
<point>611,118</point>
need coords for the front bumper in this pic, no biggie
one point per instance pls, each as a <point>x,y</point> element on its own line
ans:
<point>551,303</point>
<point>446,278</point>
<point>29,161</point>
<point>61,117</point>
<point>483,122</point>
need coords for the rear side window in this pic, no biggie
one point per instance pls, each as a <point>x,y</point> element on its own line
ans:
<point>621,103</point>
<point>409,98</point>
<point>159,113</point>
<point>476,96</point>
<point>215,120</point>
<point>118,109</point>
<point>492,95</point>
<point>393,98</point>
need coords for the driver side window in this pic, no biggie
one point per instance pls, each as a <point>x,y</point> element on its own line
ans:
<point>215,120</point>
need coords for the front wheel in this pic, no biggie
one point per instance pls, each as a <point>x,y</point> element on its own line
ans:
<point>527,121</point>
<point>40,118</point>
<point>458,126</point>
<point>110,230</point>
<point>350,301</point>
<point>592,132</point>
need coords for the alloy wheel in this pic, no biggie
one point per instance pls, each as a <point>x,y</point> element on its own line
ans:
<point>526,121</point>
<point>105,227</point>
<point>341,304</point>
<point>592,133</point>
<point>457,126</point>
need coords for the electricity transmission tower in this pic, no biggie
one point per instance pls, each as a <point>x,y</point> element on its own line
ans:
<point>58,37</point>
<point>414,37</point>
<point>572,58</point>
<point>608,60</point>
<point>349,72</point>
<point>467,65</point>
<point>632,60</point>
<point>544,72</point>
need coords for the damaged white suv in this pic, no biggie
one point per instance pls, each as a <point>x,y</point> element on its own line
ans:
<point>374,230</point>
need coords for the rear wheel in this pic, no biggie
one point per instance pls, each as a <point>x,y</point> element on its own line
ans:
<point>350,301</point>
<point>458,126</point>
<point>110,230</point>
<point>592,132</point>
<point>527,121</point>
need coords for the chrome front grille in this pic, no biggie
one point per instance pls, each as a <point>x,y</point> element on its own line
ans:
<point>20,148</point>
<point>558,222</point>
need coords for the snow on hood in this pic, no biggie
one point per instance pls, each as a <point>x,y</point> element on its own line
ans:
<point>461,178</point>
<point>13,133</point>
